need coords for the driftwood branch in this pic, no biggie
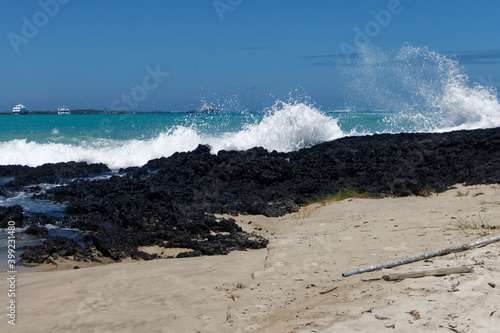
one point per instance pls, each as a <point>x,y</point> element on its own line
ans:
<point>434,272</point>
<point>423,256</point>
<point>326,292</point>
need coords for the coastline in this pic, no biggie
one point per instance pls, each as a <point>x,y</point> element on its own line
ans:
<point>278,289</point>
<point>92,111</point>
<point>176,203</point>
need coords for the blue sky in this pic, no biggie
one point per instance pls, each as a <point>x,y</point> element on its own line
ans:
<point>173,54</point>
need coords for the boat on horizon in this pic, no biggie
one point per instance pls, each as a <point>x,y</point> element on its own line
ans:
<point>20,109</point>
<point>63,110</point>
<point>207,109</point>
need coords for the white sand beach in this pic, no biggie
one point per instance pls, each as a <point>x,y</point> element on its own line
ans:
<point>296,284</point>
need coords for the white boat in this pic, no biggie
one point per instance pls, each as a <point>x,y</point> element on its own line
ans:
<point>63,110</point>
<point>20,109</point>
<point>207,109</point>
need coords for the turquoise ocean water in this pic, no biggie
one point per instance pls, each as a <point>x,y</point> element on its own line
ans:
<point>427,92</point>
<point>121,140</point>
<point>411,90</point>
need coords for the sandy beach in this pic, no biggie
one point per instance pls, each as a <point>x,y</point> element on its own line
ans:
<point>295,284</point>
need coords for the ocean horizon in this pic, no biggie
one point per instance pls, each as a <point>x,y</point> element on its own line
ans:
<point>428,92</point>
<point>447,102</point>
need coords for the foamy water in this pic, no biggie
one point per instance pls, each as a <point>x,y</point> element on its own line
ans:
<point>285,128</point>
<point>429,91</point>
<point>424,91</point>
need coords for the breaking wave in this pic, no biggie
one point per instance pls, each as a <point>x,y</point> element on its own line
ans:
<point>428,91</point>
<point>421,90</point>
<point>286,127</point>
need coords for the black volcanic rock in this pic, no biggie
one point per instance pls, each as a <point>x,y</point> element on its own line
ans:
<point>52,249</point>
<point>171,202</point>
<point>11,213</point>
<point>36,230</point>
<point>34,219</point>
<point>117,245</point>
<point>87,226</point>
<point>50,172</point>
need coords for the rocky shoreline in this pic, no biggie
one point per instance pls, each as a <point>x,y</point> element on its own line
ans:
<point>173,202</point>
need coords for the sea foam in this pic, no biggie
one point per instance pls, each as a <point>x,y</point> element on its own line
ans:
<point>425,91</point>
<point>286,127</point>
<point>428,91</point>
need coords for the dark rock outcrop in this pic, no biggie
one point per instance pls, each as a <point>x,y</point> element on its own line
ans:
<point>38,231</point>
<point>50,172</point>
<point>53,249</point>
<point>11,213</point>
<point>171,202</point>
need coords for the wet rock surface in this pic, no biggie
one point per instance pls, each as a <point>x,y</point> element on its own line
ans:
<point>171,202</point>
<point>11,213</point>
<point>49,173</point>
<point>37,230</point>
<point>54,248</point>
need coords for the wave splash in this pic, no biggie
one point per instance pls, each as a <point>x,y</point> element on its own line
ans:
<point>429,91</point>
<point>425,90</point>
<point>286,127</point>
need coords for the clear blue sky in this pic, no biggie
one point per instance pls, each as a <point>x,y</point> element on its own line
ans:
<point>89,53</point>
